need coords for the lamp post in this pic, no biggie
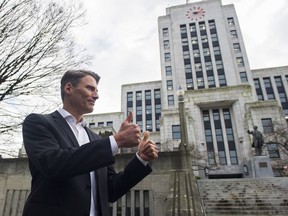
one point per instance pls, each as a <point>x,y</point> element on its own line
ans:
<point>183,124</point>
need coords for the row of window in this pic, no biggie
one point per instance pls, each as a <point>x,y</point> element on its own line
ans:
<point>148,108</point>
<point>203,45</point>
<point>237,49</point>
<point>269,90</point>
<point>135,202</point>
<point>101,124</point>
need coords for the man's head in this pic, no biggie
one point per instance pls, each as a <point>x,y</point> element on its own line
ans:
<point>74,76</point>
<point>255,127</point>
<point>79,91</point>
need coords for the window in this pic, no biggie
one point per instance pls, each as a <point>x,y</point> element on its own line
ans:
<point>100,124</point>
<point>217,50</point>
<point>236,47</point>
<point>169,85</point>
<point>208,66</point>
<point>167,57</point>
<point>222,79</point>
<point>211,81</point>
<point>188,68</point>
<point>170,100</point>
<point>267,125</point>
<point>198,67</point>
<point>148,109</point>
<point>273,150</point>
<point>109,123</point>
<point>130,96</point>
<point>233,34</point>
<point>233,157</point>
<point>139,110</point>
<point>219,64</point>
<point>139,96</point>
<point>157,108</point>
<point>269,88</point>
<point>214,37</point>
<point>209,138</point>
<point>149,125</point>
<point>186,54</point>
<point>168,70</point>
<point>204,39</point>
<point>157,94</point>
<point>192,28</point>
<point>147,95</point>
<point>282,97</point>
<point>92,124</point>
<point>165,32</point>
<point>243,77</point>
<point>196,53</point>
<point>258,89</point>
<point>189,83</point>
<point>200,82</point>
<point>212,24</point>
<point>176,134</point>
<point>206,52</point>
<point>194,40</point>
<point>202,26</point>
<point>184,41</point>
<point>166,44</point>
<point>231,21</point>
<point>183,29</point>
<point>240,62</point>
<point>278,81</point>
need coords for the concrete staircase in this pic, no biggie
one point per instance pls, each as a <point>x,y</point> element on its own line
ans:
<point>249,197</point>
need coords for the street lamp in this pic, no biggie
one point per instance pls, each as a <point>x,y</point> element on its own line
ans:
<point>183,124</point>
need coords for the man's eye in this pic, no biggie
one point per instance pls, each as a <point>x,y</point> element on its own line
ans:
<point>90,88</point>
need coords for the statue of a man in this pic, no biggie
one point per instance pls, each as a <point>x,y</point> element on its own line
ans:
<point>258,140</point>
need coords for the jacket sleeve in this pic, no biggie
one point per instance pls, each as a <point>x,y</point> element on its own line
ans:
<point>51,153</point>
<point>120,183</point>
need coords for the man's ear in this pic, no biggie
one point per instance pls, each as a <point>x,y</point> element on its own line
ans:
<point>68,88</point>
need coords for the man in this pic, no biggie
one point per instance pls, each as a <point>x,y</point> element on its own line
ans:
<point>70,165</point>
<point>258,140</point>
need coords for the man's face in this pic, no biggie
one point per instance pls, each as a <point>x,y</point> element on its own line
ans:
<point>83,96</point>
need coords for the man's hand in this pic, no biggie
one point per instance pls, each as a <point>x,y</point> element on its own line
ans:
<point>147,149</point>
<point>129,135</point>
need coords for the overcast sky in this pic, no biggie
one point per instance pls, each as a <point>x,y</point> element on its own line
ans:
<point>122,36</point>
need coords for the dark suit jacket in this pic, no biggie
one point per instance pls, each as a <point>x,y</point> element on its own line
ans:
<point>60,169</point>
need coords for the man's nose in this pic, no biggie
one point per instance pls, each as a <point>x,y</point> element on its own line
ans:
<point>95,95</point>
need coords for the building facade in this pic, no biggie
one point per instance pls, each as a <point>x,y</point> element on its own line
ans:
<point>203,56</point>
<point>202,52</point>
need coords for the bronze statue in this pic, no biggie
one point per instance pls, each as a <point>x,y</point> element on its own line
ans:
<point>258,140</point>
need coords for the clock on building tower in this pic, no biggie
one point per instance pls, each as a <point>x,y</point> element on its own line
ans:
<point>195,13</point>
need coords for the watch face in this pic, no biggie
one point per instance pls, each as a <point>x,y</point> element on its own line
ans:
<point>195,13</point>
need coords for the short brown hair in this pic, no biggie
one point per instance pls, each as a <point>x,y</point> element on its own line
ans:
<point>74,76</point>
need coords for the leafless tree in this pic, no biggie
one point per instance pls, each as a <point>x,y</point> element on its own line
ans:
<point>279,136</point>
<point>36,47</point>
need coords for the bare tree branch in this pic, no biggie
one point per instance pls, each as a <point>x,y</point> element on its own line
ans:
<point>37,47</point>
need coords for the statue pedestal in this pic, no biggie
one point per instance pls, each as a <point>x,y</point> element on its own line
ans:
<point>262,167</point>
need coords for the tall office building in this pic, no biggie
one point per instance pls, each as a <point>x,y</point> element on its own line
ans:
<point>201,47</point>
<point>203,54</point>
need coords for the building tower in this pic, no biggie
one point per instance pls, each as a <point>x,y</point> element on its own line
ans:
<point>202,52</point>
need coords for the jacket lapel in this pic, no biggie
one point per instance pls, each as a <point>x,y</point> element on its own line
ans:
<point>63,126</point>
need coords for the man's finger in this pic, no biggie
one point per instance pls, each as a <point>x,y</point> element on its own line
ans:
<point>146,136</point>
<point>129,118</point>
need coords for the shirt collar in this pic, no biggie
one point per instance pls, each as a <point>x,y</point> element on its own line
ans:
<point>68,117</point>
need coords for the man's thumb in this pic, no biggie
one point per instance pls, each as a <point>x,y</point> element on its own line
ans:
<point>146,136</point>
<point>129,118</point>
